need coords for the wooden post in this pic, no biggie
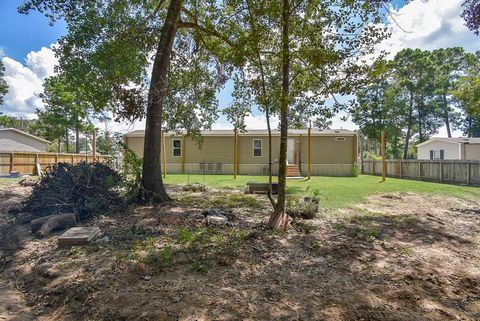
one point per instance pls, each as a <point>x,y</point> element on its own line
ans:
<point>94,145</point>
<point>72,159</point>
<point>309,151</point>
<point>360,147</point>
<point>164,151</point>
<point>12,166</point>
<point>183,154</point>
<point>355,149</point>
<point>401,169</point>
<point>235,153</point>
<point>419,170</point>
<point>468,173</point>
<point>56,158</point>
<point>441,171</point>
<point>384,166</point>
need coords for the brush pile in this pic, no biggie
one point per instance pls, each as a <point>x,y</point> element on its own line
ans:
<point>85,189</point>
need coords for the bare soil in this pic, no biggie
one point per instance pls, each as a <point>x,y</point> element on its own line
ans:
<point>399,256</point>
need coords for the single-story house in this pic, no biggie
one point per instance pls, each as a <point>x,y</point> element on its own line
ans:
<point>332,152</point>
<point>450,149</point>
<point>14,140</point>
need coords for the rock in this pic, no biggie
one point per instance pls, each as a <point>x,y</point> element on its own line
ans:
<point>195,187</point>
<point>147,277</point>
<point>103,240</point>
<point>216,220</point>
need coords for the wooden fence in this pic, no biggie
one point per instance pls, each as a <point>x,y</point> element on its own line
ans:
<point>464,172</point>
<point>26,162</point>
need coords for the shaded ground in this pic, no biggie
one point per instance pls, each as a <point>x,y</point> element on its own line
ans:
<point>399,256</point>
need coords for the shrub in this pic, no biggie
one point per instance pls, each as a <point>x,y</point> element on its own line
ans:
<point>355,170</point>
<point>85,189</point>
<point>132,176</point>
<point>306,207</point>
<point>159,260</point>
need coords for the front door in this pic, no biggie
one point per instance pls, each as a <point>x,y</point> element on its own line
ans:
<point>291,151</point>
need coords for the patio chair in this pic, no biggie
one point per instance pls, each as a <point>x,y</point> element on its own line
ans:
<point>210,168</point>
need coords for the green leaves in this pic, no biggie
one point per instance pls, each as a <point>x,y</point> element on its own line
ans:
<point>3,83</point>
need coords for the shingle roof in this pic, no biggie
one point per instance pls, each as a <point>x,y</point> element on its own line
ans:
<point>456,140</point>
<point>8,145</point>
<point>259,132</point>
<point>25,134</point>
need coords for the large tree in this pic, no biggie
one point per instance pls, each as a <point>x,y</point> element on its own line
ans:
<point>299,53</point>
<point>110,45</point>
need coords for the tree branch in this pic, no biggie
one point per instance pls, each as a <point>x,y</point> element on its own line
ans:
<point>192,25</point>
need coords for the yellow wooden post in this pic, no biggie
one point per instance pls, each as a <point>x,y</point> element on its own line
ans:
<point>384,167</point>
<point>164,156</point>
<point>235,153</point>
<point>183,154</point>
<point>12,166</point>
<point>72,159</point>
<point>309,151</point>
<point>94,145</point>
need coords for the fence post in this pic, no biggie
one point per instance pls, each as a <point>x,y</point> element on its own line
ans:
<point>12,156</point>
<point>419,170</point>
<point>374,172</point>
<point>441,171</point>
<point>401,169</point>
<point>384,165</point>
<point>468,173</point>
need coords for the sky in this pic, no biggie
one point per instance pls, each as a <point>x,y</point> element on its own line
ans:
<point>26,43</point>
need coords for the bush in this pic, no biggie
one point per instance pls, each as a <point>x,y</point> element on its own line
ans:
<point>85,189</point>
<point>355,170</point>
<point>306,207</point>
<point>132,177</point>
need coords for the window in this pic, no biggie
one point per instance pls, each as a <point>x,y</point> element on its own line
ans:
<point>339,139</point>
<point>436,154</point>
<point>257,147</point>
<point>177,148</point>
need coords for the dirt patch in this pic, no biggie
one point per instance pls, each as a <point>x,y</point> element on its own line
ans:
<point>399,256</point>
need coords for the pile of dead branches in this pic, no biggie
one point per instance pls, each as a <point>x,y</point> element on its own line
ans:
<point>85,189</point>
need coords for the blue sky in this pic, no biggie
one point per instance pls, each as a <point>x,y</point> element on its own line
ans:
<point>25,43</point>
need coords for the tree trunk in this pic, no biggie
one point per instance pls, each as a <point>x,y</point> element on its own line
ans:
<point>279,219</point>
<point>469,128</point>
<point>66,140</point>
<point>409,127</point>
<point>446,115</point>
<point>152,168</point>
<point>77,134</point>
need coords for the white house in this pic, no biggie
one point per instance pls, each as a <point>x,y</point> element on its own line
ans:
<point>14,140</point>
<point>449,148</point>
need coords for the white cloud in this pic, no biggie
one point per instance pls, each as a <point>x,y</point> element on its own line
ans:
<point>429,25</point>
<point>25,82</point>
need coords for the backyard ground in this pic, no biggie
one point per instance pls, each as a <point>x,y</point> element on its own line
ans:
<point>398,250</point>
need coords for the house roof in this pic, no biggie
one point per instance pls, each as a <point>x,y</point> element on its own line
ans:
<point>8,145</point>
<point>25,134</point>
<point>259,132</point>
<point>452,140</point>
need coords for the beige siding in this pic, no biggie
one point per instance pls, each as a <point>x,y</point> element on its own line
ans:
<point>326,150</point>
<point>472,151</point>
<point>451,150</point>
<point>329,157</point>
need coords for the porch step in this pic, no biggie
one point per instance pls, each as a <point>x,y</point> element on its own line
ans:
<point>293,171</point>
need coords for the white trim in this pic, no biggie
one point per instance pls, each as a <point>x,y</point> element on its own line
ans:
<point>435,140</point>
<point>261,147</point>
<point>173,147</point>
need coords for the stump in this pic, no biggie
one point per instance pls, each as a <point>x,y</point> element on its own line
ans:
<point>43,226</point>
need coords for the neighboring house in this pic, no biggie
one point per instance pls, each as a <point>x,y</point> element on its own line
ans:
<point>14,140</point>
<point>333,152</point>
<point>450,149</point>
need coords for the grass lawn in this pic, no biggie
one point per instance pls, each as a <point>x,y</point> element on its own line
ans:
<point>336,192</point>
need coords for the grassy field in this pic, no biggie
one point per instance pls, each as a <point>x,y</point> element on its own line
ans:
<point>336,192</point>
